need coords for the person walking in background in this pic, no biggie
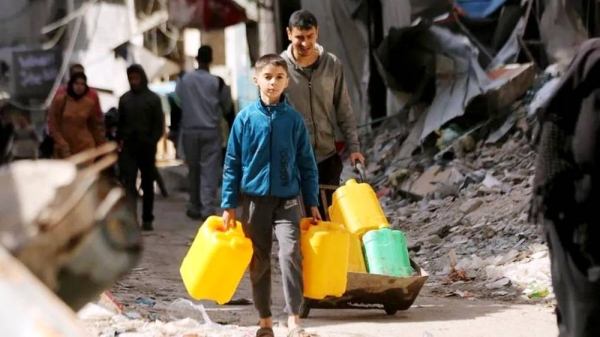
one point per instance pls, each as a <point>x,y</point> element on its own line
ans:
<point>204,99</point>
<point>46,149</point>
<point>318,90</point>
<point>73,122</point>
<point>141,125</point>
<point>270,160</point>
<point>91,94</point>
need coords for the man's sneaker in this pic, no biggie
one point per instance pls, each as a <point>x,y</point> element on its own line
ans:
<point>147,226</point>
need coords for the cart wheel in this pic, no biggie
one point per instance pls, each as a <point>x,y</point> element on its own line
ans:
<point>305,308</point>
<point>389,310</point>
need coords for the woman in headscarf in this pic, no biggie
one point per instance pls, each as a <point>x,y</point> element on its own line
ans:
<point>74,125</point>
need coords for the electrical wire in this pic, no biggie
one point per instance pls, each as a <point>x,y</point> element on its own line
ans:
<point>55,39</point>
<point>66,59</point>
<point>68,18</point>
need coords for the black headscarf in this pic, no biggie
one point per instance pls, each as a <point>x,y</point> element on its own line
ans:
<point>138,69</point>
<point>72,80</point>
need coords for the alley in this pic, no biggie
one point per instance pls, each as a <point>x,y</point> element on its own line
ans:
<point>157,279</point>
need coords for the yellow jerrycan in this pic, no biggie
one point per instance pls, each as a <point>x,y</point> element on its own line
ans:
<point>216,261</point>
<point>356,258</point>
<point>357,207</point>
<point>325,247</point>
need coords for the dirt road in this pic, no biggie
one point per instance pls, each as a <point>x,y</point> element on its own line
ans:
<point>157,278</point>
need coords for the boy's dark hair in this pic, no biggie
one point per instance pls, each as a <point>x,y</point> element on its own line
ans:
<point>271,59</point>
<point>205,54</point>
<point>303,20</point>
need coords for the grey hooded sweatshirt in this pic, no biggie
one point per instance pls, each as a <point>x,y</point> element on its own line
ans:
<point>321,95</point>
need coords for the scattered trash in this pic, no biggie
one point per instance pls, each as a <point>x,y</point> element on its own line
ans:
<point>145,301</point>
<point>182,308</point>
<point>93,311</point>
<point>498,284</point>
<point>536,291</point>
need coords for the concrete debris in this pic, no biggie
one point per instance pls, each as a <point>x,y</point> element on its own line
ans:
<point>466,212</point>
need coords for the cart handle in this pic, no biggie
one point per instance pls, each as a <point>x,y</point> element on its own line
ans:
<point>362,173</point>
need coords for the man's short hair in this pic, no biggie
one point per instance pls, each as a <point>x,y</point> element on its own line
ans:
<point>205,54</point>
<point>303,20</point>
<point>270,59</point>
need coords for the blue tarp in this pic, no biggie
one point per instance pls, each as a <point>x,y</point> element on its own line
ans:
<point>479,9</point>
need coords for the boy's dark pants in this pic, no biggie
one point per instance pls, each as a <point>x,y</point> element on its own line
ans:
<point>260,216</point>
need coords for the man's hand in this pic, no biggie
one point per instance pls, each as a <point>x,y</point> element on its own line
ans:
<point>316,215</point>
<point>354,156</point>
<point>229,218</point>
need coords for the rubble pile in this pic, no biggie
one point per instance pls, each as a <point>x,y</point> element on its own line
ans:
<point>465,215</point>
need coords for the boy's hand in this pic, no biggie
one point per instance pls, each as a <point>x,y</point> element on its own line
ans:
<point>229,218</point>
<point>316,215</point>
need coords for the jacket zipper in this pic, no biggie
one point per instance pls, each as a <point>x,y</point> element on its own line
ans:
<point>312,113</point>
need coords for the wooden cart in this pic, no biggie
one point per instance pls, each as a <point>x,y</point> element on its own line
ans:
<point>370,291</point>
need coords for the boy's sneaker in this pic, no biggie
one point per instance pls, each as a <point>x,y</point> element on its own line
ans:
<point>147,226</point>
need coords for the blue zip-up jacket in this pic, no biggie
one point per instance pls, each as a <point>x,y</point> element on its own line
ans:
<point>269,153</point>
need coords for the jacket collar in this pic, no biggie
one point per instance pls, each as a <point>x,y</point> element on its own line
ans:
<point>290,55</point>
<point>272,108</point>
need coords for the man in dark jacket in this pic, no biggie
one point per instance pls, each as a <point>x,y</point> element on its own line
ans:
<point>141,125</point>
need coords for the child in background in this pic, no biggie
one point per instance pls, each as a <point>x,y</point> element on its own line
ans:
<point>269,162</point>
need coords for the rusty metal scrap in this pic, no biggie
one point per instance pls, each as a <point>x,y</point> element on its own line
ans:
<point>81,237</point>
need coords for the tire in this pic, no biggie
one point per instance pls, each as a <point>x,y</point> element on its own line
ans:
<point>389,310</point>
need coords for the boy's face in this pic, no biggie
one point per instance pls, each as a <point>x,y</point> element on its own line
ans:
<point>272,81</point>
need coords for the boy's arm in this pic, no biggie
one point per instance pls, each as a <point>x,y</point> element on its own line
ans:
<point>343,110</point>
<point>307,166</point>
<point>232,170</point>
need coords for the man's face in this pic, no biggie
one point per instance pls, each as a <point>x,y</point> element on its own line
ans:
<point>272,81</point>
<point>135,80</point>
<point>303,41</point>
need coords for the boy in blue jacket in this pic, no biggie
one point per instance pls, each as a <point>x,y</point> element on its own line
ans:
<point>269,161</point>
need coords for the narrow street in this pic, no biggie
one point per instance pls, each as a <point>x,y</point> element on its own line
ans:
<point>157,279</point>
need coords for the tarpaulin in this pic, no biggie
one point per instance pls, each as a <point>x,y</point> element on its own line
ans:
<point>479,9</point>
<point>205,14</point>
